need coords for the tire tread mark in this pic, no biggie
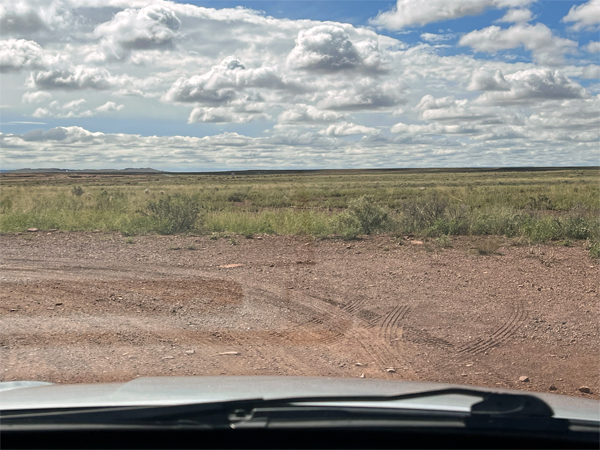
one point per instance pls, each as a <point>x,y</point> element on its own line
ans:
<point>502,334</point>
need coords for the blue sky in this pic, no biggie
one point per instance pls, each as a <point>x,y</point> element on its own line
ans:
<point>299,84</point>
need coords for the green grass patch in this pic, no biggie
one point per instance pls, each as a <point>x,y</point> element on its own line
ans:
<point>536,206</point>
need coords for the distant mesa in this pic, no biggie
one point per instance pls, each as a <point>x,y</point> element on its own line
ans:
<point>55,170</point>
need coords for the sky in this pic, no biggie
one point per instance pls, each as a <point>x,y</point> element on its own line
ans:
<point>229,85</point>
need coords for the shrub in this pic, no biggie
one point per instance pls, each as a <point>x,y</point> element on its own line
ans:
<point>540,202</point>
<point>176,214</point>
<point>593,247</point>
<point>237,197</point>
<point>444,241</point>
<point>115,201</point>
<point>366,216</point>
<point>77,191</point>
<point>6,204</point>
<point>488,247</point>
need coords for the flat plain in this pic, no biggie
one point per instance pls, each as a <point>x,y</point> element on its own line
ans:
<point>103,304</point>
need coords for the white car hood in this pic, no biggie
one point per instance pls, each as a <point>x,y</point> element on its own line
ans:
<point>181,390</point>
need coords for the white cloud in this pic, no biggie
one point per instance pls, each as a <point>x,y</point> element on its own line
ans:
<point>223,115</point>
<point>300,85</point>
<point>416,12</point>
<point>546,48</point>
<point>365,95</point>
<point>36,97</point>
<point>325,48</point>
<point>19,18</point>
<point>346,129</point>
<point>435,38</point>
<point>73,108</point>
<point>585,16</point>
<point>72,78</point>
<point>429,102</point>
<point>593,47</point>
<point>591,72</point>
<point>521,15</point>
<point>109,107</point>
<point>151,27</point>
<point>534,85</point>
<point>74,105</point>
<point>223,82</point>
<point>19,54</point>
<point>433,129</point>
<point>302,113</point>
<point>485,80</point>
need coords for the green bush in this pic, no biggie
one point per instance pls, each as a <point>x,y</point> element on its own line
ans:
<point>364,216</point>
<point>540,202</point>
<point>77,191</point>
<point>173,214</point>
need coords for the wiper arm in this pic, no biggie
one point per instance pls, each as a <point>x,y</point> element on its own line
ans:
<point>215,414</point>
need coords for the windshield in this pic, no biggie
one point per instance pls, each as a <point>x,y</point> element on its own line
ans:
<point>355,189</point>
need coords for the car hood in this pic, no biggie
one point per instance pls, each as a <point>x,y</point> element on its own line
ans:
<point>181,390</point>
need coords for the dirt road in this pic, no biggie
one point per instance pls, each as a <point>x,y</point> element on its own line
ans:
<point>86,307</point>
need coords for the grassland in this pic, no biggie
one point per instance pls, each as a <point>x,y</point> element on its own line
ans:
<point>534,206</point>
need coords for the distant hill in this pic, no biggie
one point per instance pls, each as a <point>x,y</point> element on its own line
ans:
<point>55,170</point>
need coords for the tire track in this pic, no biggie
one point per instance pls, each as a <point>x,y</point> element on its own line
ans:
<point>388,328</point>
<point>498,337</point>
<point>341,323</point>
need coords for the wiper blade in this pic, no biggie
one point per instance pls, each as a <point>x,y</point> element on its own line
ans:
<point>493,405</point>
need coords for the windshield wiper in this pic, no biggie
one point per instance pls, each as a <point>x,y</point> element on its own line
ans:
<point>495,409</point>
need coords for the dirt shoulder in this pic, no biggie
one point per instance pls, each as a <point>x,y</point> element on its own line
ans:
<point>90,307</point>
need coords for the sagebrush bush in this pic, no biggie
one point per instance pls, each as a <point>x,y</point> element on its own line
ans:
<point>77,191</point>
<point>364,216</point>
<point>174,214</point>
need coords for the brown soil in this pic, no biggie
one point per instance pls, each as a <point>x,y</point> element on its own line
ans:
<point>90,307</point>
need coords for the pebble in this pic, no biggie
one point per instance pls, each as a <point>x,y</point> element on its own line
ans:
<point>390,370</point>
<point>524,379</point>
<point>552,388</point>
<point>32,230</point>
<point>585,390</point>
<point>190,352</point>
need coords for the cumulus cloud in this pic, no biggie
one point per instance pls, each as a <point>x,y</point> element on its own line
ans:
<point>224,115</point>
<point>591,72</point>
<point>433,129</point>
<point>72,78</point>
<point>148,28</point>
<point>302,84</point>
<point>429,102</point>
<point>486,80</point>
<point>539,84</point>
<point>36,97</point>
<point>302,113</point>
<point>19,54</point>
<point>325,48</point>
<point>364,96</point>
<point>593,47</point>
<point>73,109</point>
<point>546,48</point>
<point>34,17</point>
<point>435,38</point>
<point>63,134</point>
<point>346,129</point>
<point>408,13</point>
<point>521,15</point>
<point>109,107</point>
<point>585,16</point>
<point>221,84</point>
